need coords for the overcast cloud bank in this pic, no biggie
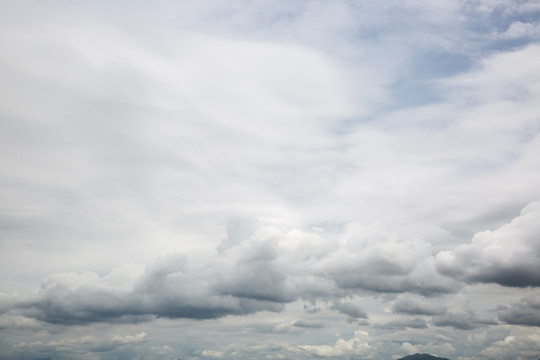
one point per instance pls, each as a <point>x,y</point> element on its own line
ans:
<point>252,179</point>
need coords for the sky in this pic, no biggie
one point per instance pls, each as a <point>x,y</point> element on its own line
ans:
<point>241,179</point>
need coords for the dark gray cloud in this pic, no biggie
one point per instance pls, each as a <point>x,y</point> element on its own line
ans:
<point>462,319</point>
<point>168,288</point>
<point>410,305</point>
<point>350,309</point>
<point>304,323</point>
<point>509,256</point>
<point>525,312</point>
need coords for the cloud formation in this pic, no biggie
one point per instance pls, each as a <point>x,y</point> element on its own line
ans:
<point>358,345</point>
<point>508,256</point>
<point>268,264</point>
<point>269,179</point>
<point>525,312</point>
<point>415,306</point>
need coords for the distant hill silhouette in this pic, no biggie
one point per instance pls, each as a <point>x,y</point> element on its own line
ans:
<point>422,357</point>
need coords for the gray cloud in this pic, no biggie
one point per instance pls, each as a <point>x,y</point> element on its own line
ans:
<point>350,309</point>
<point>249,267</point>
<point>304,323</point>
<point>379,261</point>
<point>265,268</point>
<point>386,134</point>
<point>167,288</point>
<point>509,256</point>
<point>415,306</point>
<point>525,312</point>
<point>271,264</point>
<point>462,319</point>
<point>400,324</point>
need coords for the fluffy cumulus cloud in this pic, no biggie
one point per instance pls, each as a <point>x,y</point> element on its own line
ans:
<point>307,179</point>
<point>358,345</point>
<point>270,266</point>
<point>526,346</point>
<point>509,256</point>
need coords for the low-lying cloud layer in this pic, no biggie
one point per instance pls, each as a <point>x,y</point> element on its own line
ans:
<point>263,265</point>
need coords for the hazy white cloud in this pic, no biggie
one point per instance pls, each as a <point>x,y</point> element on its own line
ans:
<point>518,30</point>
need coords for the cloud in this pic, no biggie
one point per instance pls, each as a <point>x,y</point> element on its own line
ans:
<point>358,345</point>
<point>165,289</point>
<point>114,133</point>
<point>73,346</point>
<point>211,354</point>
<point>464,319</point>
<point>269,264</point>
<point>526,346</point>
<point>401,324</point>
<point>519,29</point>
<point>371,140</point>
<point>525,312</point>
<point>509,256</point>
<point>304,323</point>
<point>18,322</point>
<point>416,306</point>
<point>350,309</point>
<point>260,269</point>
<point>376,260</point>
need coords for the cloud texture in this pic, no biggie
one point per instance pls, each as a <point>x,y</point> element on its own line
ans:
<point>253,179</point>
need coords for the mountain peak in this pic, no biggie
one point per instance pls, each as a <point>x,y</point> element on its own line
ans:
<point>422,357</point>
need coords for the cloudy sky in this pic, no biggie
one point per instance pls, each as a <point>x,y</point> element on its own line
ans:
<point>257,179</point>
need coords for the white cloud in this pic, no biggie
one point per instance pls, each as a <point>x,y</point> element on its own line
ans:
<point>522,347</point>
<point>518,30</point>
<point>358,345</point>
<point>212,354</point>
